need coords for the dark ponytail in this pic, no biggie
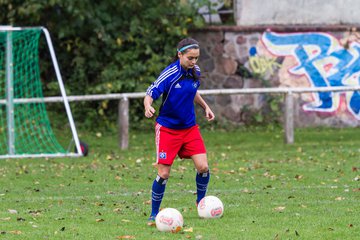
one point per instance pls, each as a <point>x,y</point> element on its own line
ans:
<point>183,43</point>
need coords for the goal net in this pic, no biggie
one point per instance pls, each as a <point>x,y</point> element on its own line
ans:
<point>25,129</point>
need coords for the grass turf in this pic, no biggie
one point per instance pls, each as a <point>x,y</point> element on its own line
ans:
<point>307,190</point>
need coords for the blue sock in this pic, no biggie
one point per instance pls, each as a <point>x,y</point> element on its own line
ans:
<point>202,180</point>
<point>158,189</point>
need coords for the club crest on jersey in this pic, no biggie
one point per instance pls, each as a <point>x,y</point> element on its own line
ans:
<point>195,85</point>
<point>162,155</point>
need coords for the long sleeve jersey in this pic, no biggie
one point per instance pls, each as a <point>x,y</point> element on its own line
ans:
<point>178,88</point>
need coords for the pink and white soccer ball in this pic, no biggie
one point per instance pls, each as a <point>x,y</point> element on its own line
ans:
<point>210,207</point>
<point>169,220</point>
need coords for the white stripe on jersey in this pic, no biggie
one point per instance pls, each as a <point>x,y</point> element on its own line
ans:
<point>176,78</point>
<point>165,75</point>
<point>162,77</point>
<point>149,92</point>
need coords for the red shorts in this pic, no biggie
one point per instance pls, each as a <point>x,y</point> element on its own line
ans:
<point>183,142</point>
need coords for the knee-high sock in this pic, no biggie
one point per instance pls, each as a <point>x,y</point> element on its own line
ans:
<point>202,180</point>
<point>158,189</point>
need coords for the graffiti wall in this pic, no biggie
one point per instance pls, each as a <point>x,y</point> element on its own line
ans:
<point>284,59</point>
<point>324,62</point>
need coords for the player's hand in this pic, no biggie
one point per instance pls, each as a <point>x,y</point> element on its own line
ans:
<point>209,114</point>
<point>149,112</point>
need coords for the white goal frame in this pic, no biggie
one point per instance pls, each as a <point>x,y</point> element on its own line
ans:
<point>9,101</point>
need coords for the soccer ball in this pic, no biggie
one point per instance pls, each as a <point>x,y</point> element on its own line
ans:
<point>169,220</point>
<point>210,207</point>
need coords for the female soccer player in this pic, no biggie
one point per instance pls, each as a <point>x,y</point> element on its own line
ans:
<point>176,131</point>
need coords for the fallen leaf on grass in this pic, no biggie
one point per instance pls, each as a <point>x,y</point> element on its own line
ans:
<point>243,170</point>
<point>339,198</point>
<point>188,229</point>
<point>356,190</point>
<point>117,210</point>
<point>298,177</point>
<point>100,220</point>
<point>5,219</point>
<point>279,209</point>
<point>151,224</point>
<point>126,237</point>
<point>16,232</point>
<point>35,213</point>
<point>12,211</point>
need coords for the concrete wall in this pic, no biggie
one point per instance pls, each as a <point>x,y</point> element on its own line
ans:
<point>257,12</point>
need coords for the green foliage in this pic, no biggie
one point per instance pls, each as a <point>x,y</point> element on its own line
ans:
<point>105,46</point>
<point>271,112</point>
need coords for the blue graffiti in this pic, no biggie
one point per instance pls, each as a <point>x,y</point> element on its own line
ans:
<point>325,62</point>
<point>252,51</point>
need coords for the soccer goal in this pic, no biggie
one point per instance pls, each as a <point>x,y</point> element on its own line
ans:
<point>25,129</point>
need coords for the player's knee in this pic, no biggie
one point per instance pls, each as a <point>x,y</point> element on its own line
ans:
<point>203,168</point>
<point>164,174</point>
<point>164,171</point>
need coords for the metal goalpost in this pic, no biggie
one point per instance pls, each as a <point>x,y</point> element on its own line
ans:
<point>10,101</point>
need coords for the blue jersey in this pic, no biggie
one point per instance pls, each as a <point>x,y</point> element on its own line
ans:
<point>178,88</point>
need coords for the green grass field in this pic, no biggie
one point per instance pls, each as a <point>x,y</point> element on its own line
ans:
<point>308,190</point>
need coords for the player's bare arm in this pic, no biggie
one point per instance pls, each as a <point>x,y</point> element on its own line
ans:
<point>149,110</point>
<point>208,112</point>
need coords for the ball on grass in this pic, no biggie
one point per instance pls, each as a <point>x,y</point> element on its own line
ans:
<point>210,207</point>
<point>169,220</point>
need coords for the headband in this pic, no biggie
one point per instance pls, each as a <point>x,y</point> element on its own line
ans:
<point>188,46</point>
